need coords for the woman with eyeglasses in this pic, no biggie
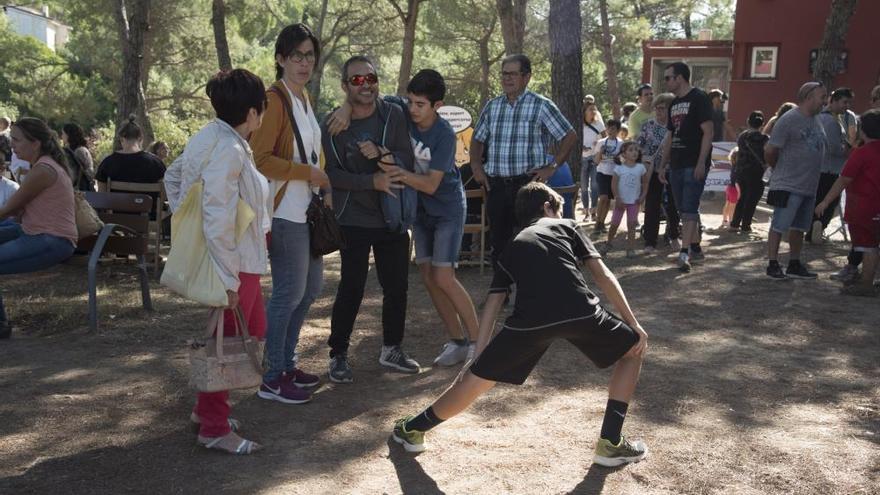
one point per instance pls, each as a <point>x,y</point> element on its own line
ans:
<point>287,150</point>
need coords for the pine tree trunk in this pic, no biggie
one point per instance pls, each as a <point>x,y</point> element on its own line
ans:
<point>566,74</point>
<point>833,41</point>
<point>218,21</point>
<point>513,24</point>
<point>131,98</point>
<point>485,67</point>
<point>317,75</point>
<point>608,56</point>
<point>409,40</point>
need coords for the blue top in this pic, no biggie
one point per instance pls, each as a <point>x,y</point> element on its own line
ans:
<point>434,149</point>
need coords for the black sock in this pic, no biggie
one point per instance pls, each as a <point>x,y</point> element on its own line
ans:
<point>794,263</point>
<point>695,248</point>
<point>615,413</point>
<point>684,250</point>
<point>773,263</point>
<point>462,341</point>
<point>425,421</point>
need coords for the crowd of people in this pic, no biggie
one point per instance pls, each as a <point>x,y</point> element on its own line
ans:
<point>266,148</point>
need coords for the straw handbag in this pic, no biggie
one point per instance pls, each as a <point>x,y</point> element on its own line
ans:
<point>225,363</point>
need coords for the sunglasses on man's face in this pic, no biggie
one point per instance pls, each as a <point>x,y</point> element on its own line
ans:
<point>360,79</point>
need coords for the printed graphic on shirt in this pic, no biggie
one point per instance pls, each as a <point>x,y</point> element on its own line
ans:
<point>422,156</point>
<point>678,113</point>
<point>814,139</point>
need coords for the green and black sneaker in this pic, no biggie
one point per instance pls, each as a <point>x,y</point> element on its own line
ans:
<point>610,455</point>
<point>412,441</point>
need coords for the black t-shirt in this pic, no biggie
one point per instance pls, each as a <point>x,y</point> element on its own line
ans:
<point>543,260</point>
<point>685,116</point>
<point>718,120</point>
<point>140,167</point>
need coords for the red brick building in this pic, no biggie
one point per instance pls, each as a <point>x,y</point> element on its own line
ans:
<point>770,55</point>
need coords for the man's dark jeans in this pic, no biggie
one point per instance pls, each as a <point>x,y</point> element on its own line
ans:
<point>391,253</point>
<point>826,180</point>
<point>500,207</point>
<point>653,205</point>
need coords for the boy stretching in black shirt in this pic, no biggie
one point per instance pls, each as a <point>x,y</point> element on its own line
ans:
<point>552,302</point>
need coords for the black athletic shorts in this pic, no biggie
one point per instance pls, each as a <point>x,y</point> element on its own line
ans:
<point>512,354</point>
<point>604,182</point>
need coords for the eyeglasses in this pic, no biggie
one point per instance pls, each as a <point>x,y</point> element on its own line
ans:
<point>505,74</point>
<point>298,56</point>
<point>360,79</point>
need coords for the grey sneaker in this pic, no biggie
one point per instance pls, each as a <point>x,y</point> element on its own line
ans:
<point>340,371</point>
<point>684,263</point>
<point>610,455</point>
<point>393,357</point>
<point>848,274</point>
<point>452,354</point>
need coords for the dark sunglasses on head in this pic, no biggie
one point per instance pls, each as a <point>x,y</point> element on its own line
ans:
<point>359,80</point>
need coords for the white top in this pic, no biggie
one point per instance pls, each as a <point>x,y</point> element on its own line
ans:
<point>629,182</point>
<point>610,148</point>
<point>18,167</point>
<point>7,189</point>
<point>591,136</point>
<point>298,195</point>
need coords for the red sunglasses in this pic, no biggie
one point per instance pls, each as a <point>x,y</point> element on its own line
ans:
<point>359,80</point>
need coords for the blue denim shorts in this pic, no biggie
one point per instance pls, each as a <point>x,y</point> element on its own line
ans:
<point>687,192</point>
<point>438,239</point>
<point>797,214</point>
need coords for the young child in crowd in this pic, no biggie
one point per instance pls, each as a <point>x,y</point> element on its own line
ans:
<point>861,179</point>
<point>630,186</point>
<point>731,192</point>
<point>553,302</point>
<point>607,148</point>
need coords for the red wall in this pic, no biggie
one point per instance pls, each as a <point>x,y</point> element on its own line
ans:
<point>797,27</point>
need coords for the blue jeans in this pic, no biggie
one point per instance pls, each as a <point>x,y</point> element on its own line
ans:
<point>23,253</point>
<point>297,278</point>
<point>438,239</point>
<point>589,189</point>
<point>687,191</point>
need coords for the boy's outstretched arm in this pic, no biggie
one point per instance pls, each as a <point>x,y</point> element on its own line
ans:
<point>607,282</point>
<point>487,320</point>
<point>839,185</point>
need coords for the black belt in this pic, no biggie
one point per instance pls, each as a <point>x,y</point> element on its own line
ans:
<point>509,180</point>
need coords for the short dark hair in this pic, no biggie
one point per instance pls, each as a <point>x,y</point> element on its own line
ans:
<point>353,60</point>
<point>870,122</point>
<point>716,93</point>
<point>233,93</point>
<point>841,93</point>
<point>291,37</point>
<point>130,130</point>
<point>680,69</point>
<point>612,123</point>
<point>530,200</point>
<point>642,88</point>
<point>756,119</point>
<point>428,83</point>
<point>525,65</point>
<point>75,135</point>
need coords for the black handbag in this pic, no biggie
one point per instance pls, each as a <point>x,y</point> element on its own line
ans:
<point>325,236</point>
<point>778,198</point>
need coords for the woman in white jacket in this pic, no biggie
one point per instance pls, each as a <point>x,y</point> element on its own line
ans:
<point>219,156</point>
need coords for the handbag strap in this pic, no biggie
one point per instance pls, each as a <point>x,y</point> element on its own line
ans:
<point>297,137</point>
<point>215,328</point>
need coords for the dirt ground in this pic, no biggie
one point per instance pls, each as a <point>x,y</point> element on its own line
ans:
<point>750,386</point>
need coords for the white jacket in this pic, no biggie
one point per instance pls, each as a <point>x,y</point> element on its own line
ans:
<point>223,161</point>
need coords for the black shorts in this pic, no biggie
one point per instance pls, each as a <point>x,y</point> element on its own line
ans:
<point>512,354</point>
<point>604,182</point>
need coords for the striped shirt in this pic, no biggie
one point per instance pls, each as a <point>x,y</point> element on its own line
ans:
<point>517,136</point>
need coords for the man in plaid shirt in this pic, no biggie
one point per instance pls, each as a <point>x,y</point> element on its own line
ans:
<point>514,130</point>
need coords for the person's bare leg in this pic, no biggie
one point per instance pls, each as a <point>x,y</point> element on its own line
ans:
<point>624,379</point>
<point>445,307</point>
<point>631,236</point>
<point>773,240</point>
<point>689,233</point>
<point>612,232</point>
<point>458,297</point>
<point>460,395</point>
<point>795,244</point>
<point>869,269</point>
<point>602,210</point>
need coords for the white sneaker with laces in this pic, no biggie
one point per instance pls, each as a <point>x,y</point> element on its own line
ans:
<point>452,354</point>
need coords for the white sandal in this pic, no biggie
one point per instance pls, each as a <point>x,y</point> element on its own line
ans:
<point>244,447</point>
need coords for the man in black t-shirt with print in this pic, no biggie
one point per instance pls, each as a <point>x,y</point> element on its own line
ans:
<point>553,302</point>
<point>687,151</point>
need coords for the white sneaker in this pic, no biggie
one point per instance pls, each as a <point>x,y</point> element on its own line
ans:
<point>847,274</point>
<point>452,354</point>
<point>675,245</point>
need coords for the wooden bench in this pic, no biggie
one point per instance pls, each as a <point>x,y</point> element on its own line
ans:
<point>126,231</point>
<point>480,228</point>
<point>158,212</point>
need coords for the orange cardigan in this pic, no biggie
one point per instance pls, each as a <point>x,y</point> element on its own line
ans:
<point>272,144</point>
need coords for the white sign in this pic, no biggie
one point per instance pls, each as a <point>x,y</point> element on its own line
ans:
<point>459,118</point>
<point>719,175</point>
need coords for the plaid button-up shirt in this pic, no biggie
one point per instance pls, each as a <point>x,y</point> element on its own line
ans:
<point>517,136</point>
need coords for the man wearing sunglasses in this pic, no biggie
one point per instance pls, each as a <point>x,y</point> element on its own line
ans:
<point>515,130</point>
<point>377,133</point>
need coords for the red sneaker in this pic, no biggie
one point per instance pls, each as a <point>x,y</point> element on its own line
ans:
<point>302,379</point>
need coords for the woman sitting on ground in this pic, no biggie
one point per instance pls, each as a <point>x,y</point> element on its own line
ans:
<point>46,233</point>
<point>220,157</point>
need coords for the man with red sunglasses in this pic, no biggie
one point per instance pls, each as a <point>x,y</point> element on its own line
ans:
<point>377,134</point>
